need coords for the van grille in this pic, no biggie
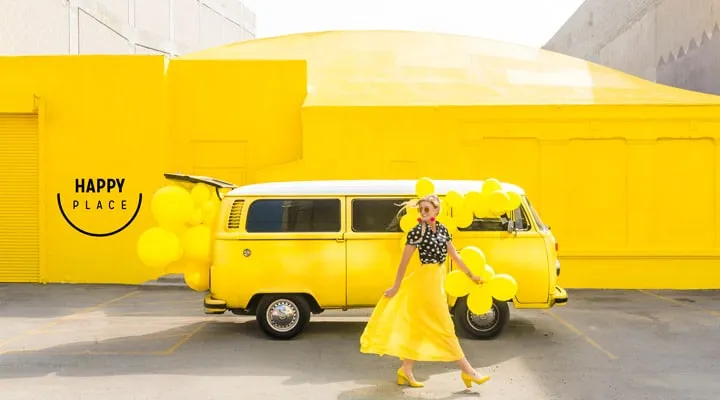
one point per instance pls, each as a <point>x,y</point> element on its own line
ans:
<point>235,214</point>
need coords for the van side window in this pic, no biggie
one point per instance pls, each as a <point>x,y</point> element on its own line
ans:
<point>499,224</point>
<point>377,215</point>
<point>294,215</point>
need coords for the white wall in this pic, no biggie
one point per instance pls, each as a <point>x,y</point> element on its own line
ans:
<point>170,27</point>
<point>636,36</point>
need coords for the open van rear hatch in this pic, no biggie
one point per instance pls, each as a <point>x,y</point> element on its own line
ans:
<point>216,183</point>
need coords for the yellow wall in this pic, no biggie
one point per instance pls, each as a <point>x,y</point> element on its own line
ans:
<point>618,185</point>
<point>656,166</point>
<point>99,117</point>
<point>231,118</point>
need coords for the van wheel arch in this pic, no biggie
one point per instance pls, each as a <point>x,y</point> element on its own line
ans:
<point>255,300</point>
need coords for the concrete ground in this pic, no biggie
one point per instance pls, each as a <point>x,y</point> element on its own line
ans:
<point>116,342</point>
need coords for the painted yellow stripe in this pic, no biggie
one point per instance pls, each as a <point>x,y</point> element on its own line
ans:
<point>184,339</point>
<point>688,305</point>
<point>585,337</point>
<point>59,320</point>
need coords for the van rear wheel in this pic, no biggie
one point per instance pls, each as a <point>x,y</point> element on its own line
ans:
<point>484,326</point>
<point>282,316</point>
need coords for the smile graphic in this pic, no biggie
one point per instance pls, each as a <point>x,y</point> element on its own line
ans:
<point>93,234</point>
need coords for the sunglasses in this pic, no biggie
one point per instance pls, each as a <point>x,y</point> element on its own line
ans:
<point>425,209</point>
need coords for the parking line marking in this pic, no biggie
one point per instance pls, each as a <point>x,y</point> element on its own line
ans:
<point>585,337</point>
<point>59,320</point>
<point>104,353</point>
<point>158,312</point>
<point>692,306</point>
<point>184,339</point>
<point>152,303</point>
<point>42,352</point>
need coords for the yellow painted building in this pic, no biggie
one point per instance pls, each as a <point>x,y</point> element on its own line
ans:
<point>81,140</point>
<point>612,162</point>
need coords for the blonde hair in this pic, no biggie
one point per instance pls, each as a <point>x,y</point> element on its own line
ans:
<point>432,199</point>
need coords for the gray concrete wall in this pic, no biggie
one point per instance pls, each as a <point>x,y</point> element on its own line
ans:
<point>169,27</point>
<point>674,42</point>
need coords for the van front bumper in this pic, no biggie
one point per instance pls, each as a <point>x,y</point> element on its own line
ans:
<point>560,297</point>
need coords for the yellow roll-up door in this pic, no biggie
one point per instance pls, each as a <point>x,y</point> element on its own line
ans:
<point>19,198</point>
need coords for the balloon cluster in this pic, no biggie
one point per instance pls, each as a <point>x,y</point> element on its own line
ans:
<point>459,210</point>
<point>500,286</point>
<point>183,234</point>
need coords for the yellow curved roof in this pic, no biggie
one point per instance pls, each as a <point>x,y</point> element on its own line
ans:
<point>391,68</point>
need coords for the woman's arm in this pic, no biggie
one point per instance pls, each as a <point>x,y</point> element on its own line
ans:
<point>456,257</point>
<point>407,253</point>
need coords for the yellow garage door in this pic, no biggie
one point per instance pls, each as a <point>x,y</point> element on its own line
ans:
<point>19,199</point>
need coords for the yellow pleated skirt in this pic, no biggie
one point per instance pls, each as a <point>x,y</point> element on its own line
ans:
<point>415,324</point>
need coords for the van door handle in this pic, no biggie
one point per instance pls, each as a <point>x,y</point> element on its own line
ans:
<point>339,239</point>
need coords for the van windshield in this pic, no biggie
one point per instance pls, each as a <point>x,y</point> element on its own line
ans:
<point>541,225</point>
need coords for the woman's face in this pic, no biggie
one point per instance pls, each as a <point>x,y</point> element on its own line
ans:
<point>427,211</point>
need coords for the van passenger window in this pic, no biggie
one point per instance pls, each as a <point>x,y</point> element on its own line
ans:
<point>499,224</point>
<point>317,215</point>
<point>377,215</point>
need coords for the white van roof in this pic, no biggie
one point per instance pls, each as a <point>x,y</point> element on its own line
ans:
<point>392,187</point>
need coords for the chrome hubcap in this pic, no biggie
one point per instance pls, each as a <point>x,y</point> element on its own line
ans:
<point>484,322</point>
<point>282,315</point>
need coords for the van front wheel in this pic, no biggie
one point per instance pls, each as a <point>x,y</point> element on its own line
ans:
<point>485,326</point>
<point>282,316</point>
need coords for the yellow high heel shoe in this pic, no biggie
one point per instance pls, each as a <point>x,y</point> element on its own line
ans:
<point>402,379</point>
<point>470,379</point>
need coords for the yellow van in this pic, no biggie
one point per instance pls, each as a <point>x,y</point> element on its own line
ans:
<point>283,251</point>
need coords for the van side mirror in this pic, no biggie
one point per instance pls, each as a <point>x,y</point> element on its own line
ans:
<point>511,226</point>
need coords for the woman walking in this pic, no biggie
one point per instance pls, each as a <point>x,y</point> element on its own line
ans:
<point>412,321</point>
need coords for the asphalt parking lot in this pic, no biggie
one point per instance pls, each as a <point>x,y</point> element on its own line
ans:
<point>117,342</point>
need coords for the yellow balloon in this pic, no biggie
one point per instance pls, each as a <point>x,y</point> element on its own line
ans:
<point>479,301</point>
<point>503,287</point>
<point>197,277</point>
<point>463,217</point>
<point>454,198</point>
<point>457,284</point>
<point>487,273</point>
<point>481,205</point>
<point>445,209</point>
<point>196,243</point>
<point>196,218</point>
<point>424,187</point>
<point>474,258</point>
<point>407,222</point>
<point>209,210</point>
<point>171,205</point>
<point>472,199</point>
<point>200,193</point>
<point>491,185</point>
<point>449,223</point>
<point>157,247</point>
<point>514,200</point>
<point>499,202</point>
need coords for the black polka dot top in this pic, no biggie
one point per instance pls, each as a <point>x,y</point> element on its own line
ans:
<point>432,246</point>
